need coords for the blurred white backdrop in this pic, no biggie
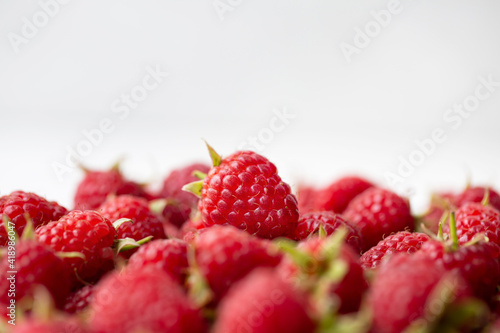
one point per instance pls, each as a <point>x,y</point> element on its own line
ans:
<point>321,88</point>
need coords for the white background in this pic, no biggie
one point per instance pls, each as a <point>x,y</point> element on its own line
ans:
<point>227,76</point>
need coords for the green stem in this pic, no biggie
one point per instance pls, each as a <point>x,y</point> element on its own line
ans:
<point>453,231</point>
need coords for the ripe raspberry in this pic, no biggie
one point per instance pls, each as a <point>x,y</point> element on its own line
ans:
<point>15,205</point>
<point>477,194</point>
<point>190,229</point>
<point>169,255</point>
<point>264,304</point>
<point>146,223</point>
<point>478,264</point>
<point>225,254</point>
<point>402,288</point>
<point>400,242</point>
<point>440,203</point>
<point>337,196</point>
<point>86,232</point>
<point>78,301</point>
<point>36,265</point>
<point>64,325</point>
<point>180,203</point>
<point>310,223</point>
<point>474,219</point>
<point>307,198</point>
<point>244,190</point>
<point>449,201</point>
<point>97,185</point>
<point>348,290</point>
<point>142,301</point>
<point>378,213</point>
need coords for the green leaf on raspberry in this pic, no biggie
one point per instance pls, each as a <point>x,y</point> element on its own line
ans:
<point>126,244</point>
<point>198,287</point>
<point>453,231</point>
<point>486,198</point>
<point>200,175</point>
<point>119,222</point>
<point>74,254</point>
<point>29,230</point>
<point>194,187</point>
<point>216,158</point>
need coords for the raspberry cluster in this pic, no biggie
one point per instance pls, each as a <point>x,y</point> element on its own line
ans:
<point>231,248</point>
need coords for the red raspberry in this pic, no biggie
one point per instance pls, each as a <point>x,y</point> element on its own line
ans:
<point>337,196</point>
<point>245,191</point>
<point>478,264</point>
<point>401,291</point>
<point>169,255</point>
<point>439,204</point>
<point>307,198</point>
<point>15,205</point>
<point>64,325</point>
<point>79,300</point>
<point>86,232</point>
<point>349,290</point>
<point>180,203</point>
<point>142,301</point>
<point>449,201</point>
<point>35,265</point>
<point>226,254</point>
<point>474,219</point>
<point>97,185</point>
<point>400,242</point>
<point>378,213</point>
<point>477,194</point>
<point>261,303</point>
<point>146,223</point>
<point>310,223</point>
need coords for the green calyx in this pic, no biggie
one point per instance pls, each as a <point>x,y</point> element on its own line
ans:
<point>119,222</point>
<point>9,226</point>
<point>200,175</point>
<point>70,255</point>
<point>126,244</point>
<point>486,198</point>
<point>443,312</point>
<point>216,158</point>
<point>453,232</point>
<point>198,288</point>
<point>194,188</point>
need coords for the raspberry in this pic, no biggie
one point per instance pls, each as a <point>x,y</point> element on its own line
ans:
<point>97,185</point>
<point>78,301</point>
<point>337,196</point>
<point>261,303</point>
<point>180,203</point>
<point>401,242</point>
<point>378,213</point>
<point>142,301</point>
<point>478,264</point>
<point>86,232</point>
<point>35,264</point>
<point>246,191</point>
<point>225,254</point>
<point>145,223</point>
<point>169,255</point>
<point>402,288</point>
<point>307,199</point>
<point>64,325</point>
<point>477,194</point>
<point>310,223</point>
<point>348,290</point>
<point>474,219</point>
<point>15,205</point>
